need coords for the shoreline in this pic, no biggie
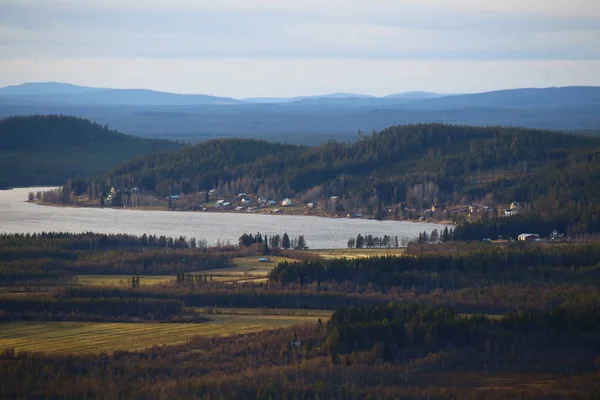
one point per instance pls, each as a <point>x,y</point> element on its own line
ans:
<point>290,212</point>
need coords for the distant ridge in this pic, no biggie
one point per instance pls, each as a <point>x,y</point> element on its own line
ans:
<point>65,93</point>
<point>48,149</point>
<point>344,97</point>
<point>526,97</point>
<point>306,120</point>
<point>37,88</point>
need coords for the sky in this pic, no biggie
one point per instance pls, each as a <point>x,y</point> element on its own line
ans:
<point>262,48</point>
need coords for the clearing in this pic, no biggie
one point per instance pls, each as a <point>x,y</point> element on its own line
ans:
<point>100,337</point>
<point>122,280</point>
<point>247,269</point>
<point>359,253</point>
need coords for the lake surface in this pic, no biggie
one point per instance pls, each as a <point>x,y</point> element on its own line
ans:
<point>18,216</point>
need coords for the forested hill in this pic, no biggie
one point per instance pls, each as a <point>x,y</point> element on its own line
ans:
<point>47,150</point>
<point>384,164</point>
<point>417,165</point>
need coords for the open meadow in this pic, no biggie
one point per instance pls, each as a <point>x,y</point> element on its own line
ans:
<point>359,253</point>
<point>247,269</point>
<point>95,337</point>
<point>122,280</point>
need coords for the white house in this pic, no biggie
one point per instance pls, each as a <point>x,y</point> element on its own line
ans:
<point>287,202</point>
<point>529,237</point>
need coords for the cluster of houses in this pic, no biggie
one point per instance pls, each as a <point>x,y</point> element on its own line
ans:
<point>245,203</point>
<point>534,237</point>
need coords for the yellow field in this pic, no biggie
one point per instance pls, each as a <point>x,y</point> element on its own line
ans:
<point>289,312</point>
<point>247,269</point>
<point>252,266</point>
<point>359,253</point>
<point>122,280</point>
<point>100,337</point>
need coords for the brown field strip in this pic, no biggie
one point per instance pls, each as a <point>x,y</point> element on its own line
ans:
<point>247,269</point>
<point>93,337</point>
<point>122,280</point>
<point>359,253</point>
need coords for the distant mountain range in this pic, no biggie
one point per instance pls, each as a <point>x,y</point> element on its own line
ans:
<point>64,93</point>
<point>306,120</point>
<point>55,93</point>
<point>346,97</point>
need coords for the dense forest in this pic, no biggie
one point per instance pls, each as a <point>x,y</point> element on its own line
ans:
<point>388,162</point>
<point>49,149</point>
<point>445,320</point>
<point>398,172</point>
<point>383,351</point>
<point>482,266</point>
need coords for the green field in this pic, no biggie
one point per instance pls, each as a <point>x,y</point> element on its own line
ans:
<point>122,280</point>
<point>100,337</point>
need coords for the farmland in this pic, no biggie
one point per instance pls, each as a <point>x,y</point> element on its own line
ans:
<point>359,253</point>
<point>85,337</point>
<point>247,269</point>
<point>122,280</point>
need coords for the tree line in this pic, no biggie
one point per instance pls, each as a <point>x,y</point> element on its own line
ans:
<point>389,330</point>
<point>275,241</point>
<point>517,263</point>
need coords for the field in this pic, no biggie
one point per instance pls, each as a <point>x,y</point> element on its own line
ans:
<point>122,280</point>
<point>247,269</point>
<point>359,253</point>
<point>290,312</point>
<point>94,337</point>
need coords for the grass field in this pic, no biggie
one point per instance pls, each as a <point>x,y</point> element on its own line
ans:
<point>122,280</point>
<point>359,253</point>
<point>290,312</point>
<point>247,269</point>
<point>95,337</point>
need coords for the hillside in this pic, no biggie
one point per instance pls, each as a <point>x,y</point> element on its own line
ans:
<point>516,98</point>
<point>308,120</point>
<point>417,165</point>
<point>47,150</point>
<point>54,93</point>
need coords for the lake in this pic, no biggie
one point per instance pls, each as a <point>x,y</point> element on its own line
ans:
<point>18,216</point>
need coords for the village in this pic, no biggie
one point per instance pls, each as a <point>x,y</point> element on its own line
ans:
<point>332,207</point>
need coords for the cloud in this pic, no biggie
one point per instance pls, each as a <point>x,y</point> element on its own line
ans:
<point>38,36</point>
<point>332,8</point>
<point>386,30</point>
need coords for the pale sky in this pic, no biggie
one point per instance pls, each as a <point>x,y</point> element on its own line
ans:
<point>248,48</point>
